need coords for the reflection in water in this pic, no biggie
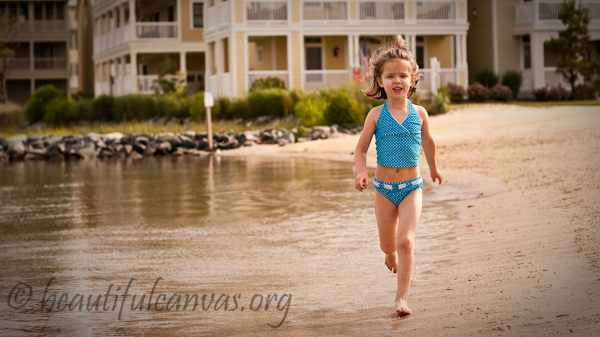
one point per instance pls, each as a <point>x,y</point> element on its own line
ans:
<point>246,226</point>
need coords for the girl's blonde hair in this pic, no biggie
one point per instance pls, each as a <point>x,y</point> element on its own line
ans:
<point>397,50</point>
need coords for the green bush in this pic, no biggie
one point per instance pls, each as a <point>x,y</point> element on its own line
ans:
<point>270,102</point>
<point>60,112</point>
<point>197,109</point>
<point>584,91</point>
<point>486,77</point>
<point>267,83</point>
<point>513,80</point>
<point>310,110</point>
<point>103,108</point>
<point>343,107</point>
<point>36,106</point>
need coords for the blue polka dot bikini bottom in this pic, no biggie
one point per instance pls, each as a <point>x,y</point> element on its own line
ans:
<point>396,192</point>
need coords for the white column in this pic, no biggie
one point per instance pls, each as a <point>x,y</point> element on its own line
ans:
<point>219,64</point>
<point>133,24</point>
<point>355,53</point>
<point>537,61</point>
<point>208,67</point>
<point>178,19</point>
<point>134,77</point>
<point>182,63</point>
<point>31,55</point>
<point>350,49</point>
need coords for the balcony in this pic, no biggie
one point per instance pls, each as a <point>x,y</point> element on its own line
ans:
<point>267,12</point>
<point>543,14</point>
<point>157,30</point>
<point>217,16</point>
<point>20,63</point>
<point>50,63</point>
<point>378,11</point>
<point>325,11</point>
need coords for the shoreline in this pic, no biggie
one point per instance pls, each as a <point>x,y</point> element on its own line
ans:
<point>529,248</point>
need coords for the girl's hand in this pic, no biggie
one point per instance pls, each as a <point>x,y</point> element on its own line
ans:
<point>436,174</point>
<point>361,182</point>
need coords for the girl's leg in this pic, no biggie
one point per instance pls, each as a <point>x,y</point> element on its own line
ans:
<point>409,212</point>
<point>387,222</point>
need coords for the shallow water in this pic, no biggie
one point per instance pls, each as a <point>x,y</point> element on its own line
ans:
<point>285,243</point>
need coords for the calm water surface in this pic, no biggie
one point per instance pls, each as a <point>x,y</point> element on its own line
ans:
<point>289,241</point>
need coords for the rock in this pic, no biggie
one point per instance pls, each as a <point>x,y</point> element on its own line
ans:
<point>87,152</point>
<point>320,132</point>
<point>165,137</point>
<point>267,136</point>
<point>252,136</point>
<point>283,142</point>
<point>16,148</point>
<point>264,119</point>
<point>163,148</point>
<point>92,137</point>
<point>4,156</point>
<point>127,148</point>
<point>33,156</point>
<point>179,152</point>
<point>150,149</point>
<point>197,153</point>
<point>135,155</point>
<point>114,137</point>
<point>285,134</point>
<point>227,141</point>
<point>16,139</point>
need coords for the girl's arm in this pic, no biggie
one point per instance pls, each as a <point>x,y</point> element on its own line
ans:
<point>360,153</point>
<point>429,146</point>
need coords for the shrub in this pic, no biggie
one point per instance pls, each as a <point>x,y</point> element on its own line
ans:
<point>477,92</point>
<point>343,107</point>
<point>197,108</point>
<point>558,94</point>
<point>36,106</point>
<point>456,92</point>
<point>310,110</point>
<point>501,93</point>
<point>584,91</point>
<point>103,108</point>
<point>486,77</point>
<point>267,83</point>
<point>540,94</point>
<point>513,80</point>
<point>59,112</point>
<point>270,102</point>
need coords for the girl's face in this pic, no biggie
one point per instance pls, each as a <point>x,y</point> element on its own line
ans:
<point>396,78</point>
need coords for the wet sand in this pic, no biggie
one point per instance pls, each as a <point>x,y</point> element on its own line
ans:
<point>528,248</point>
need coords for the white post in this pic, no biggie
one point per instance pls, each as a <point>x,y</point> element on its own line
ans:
<point>133,70</point>
<point>434,74</point>
<point>208,103</point>
<point>132,20</point>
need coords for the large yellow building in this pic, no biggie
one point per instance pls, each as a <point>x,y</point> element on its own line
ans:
<point>227,45</point>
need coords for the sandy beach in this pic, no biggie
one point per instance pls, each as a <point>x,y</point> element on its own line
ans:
<point>528,261</point>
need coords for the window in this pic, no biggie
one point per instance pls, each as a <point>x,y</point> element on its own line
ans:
<point>38,11</point>
<point>23,12</point>
<point>60,11</point>
<point>49,11</point>
<point>12,10</point>
<point>420,51</point>
<point>171,14</point>
<point>526,52</point>
<point>313,58</point>
<point>198,12</point>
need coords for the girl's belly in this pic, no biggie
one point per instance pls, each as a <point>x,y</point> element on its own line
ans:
<point>396,174</point>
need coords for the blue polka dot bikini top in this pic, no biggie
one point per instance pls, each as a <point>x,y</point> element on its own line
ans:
<point>398,144</point>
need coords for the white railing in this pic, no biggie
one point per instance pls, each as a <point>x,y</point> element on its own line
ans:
<point>446,75</point>
<point>327,77</point>
<point>211,19</point>
<point>50,63</point>
<point>265,11</point>
<point>324,10</point>
<point>50,26</point>
<point>547,11</point>
<point>156,30</point>
<point>147,84</point>
<point>254,75</point>
<point>436,10</point>
<point>381,10</point>
<point>19,63</point>
<point>554,79</point>
<point>224,14</point>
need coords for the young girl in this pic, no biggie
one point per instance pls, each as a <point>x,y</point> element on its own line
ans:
<point>400,128</point>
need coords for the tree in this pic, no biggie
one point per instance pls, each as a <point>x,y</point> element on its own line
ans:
<point>571,46</point>
<point>6,53</point>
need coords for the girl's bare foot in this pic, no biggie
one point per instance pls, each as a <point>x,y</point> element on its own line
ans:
<point>402,308</point>
<point>391,262</point>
